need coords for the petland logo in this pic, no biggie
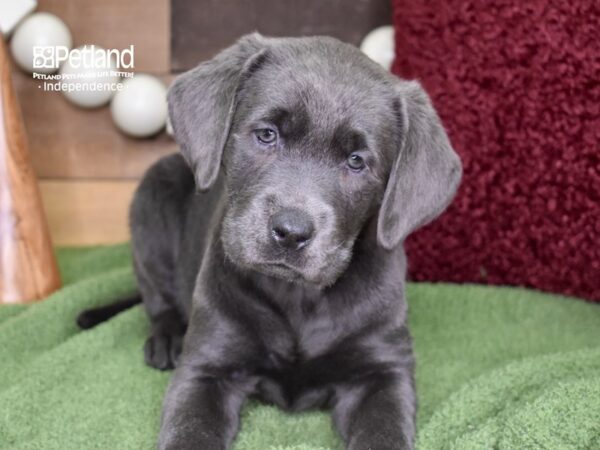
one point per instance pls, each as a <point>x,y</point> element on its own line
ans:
<point>88,57</point>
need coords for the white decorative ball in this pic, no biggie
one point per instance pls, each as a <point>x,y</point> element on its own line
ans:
<point>11,13</point>
<point>91,84</point>
<point>140,108</point>
<point>37,30</point>
<point>379,46</point>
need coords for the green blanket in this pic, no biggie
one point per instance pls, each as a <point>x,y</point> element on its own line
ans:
<point>501,368</point>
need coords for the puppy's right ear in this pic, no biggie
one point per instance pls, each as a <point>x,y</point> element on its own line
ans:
<point>202,102</point>
<point>426,172</point>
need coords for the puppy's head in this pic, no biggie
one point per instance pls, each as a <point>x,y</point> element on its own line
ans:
<point>315,140</point>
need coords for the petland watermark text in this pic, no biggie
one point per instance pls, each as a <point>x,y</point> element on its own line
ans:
<point>88,57</point>
<point>85,69</point>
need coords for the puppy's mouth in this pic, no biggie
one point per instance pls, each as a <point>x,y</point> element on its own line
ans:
<point>282,270</point>
<point>290,273</point>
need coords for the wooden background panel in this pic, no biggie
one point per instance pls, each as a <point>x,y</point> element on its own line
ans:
<point>118,24</point>
<point>201,29</point>
<point>87,212</point>
<point>70,142</point>
<point>88,169</point>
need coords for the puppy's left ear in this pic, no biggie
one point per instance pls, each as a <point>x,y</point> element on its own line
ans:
<point>426,171</point>
<point>202,102</point>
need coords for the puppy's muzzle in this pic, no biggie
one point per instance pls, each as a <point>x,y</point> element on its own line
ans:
<point>291,229</point>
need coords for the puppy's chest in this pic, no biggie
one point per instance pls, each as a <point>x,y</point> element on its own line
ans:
<point>292,384</point>
<point>303,331</point>
<point>298,367</point>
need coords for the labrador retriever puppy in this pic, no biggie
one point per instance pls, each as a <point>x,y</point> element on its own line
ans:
<point>269,255</point>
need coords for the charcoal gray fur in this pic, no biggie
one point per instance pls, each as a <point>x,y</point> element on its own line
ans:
<point>321,325</point>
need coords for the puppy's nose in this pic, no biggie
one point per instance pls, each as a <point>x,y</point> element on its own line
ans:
<point>291,228</point>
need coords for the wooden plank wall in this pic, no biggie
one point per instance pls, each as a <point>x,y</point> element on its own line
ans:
<point>204,28</point>
<point>87,169</point>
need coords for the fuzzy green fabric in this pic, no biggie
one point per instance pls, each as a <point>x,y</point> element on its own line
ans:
<point>501,368</point>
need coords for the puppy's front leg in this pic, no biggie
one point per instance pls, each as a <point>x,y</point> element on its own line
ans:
<point>378,414</point>
<point>200,412</point>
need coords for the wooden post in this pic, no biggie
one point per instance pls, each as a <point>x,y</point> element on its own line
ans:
<point>28,268</point>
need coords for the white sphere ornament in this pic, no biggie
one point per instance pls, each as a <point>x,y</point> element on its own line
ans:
<point>140,108</point>
<point>39,30</point>
<point>12,12</point>
<point>87,80</point>
<point>379,46</point>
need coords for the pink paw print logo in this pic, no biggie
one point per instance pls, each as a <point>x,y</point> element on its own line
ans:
<point>43,58</point>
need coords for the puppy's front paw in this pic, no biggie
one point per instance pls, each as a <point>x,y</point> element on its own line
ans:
<point>162,350</point>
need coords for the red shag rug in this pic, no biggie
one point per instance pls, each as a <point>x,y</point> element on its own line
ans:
<point>517,84</point>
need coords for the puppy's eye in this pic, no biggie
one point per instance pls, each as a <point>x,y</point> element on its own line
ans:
<point>266,135</point>
<point>355,162</point>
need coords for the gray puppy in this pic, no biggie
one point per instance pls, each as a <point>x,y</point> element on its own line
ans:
<point>284,278</point>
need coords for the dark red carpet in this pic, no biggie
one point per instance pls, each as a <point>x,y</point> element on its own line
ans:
<point>517,84</point>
